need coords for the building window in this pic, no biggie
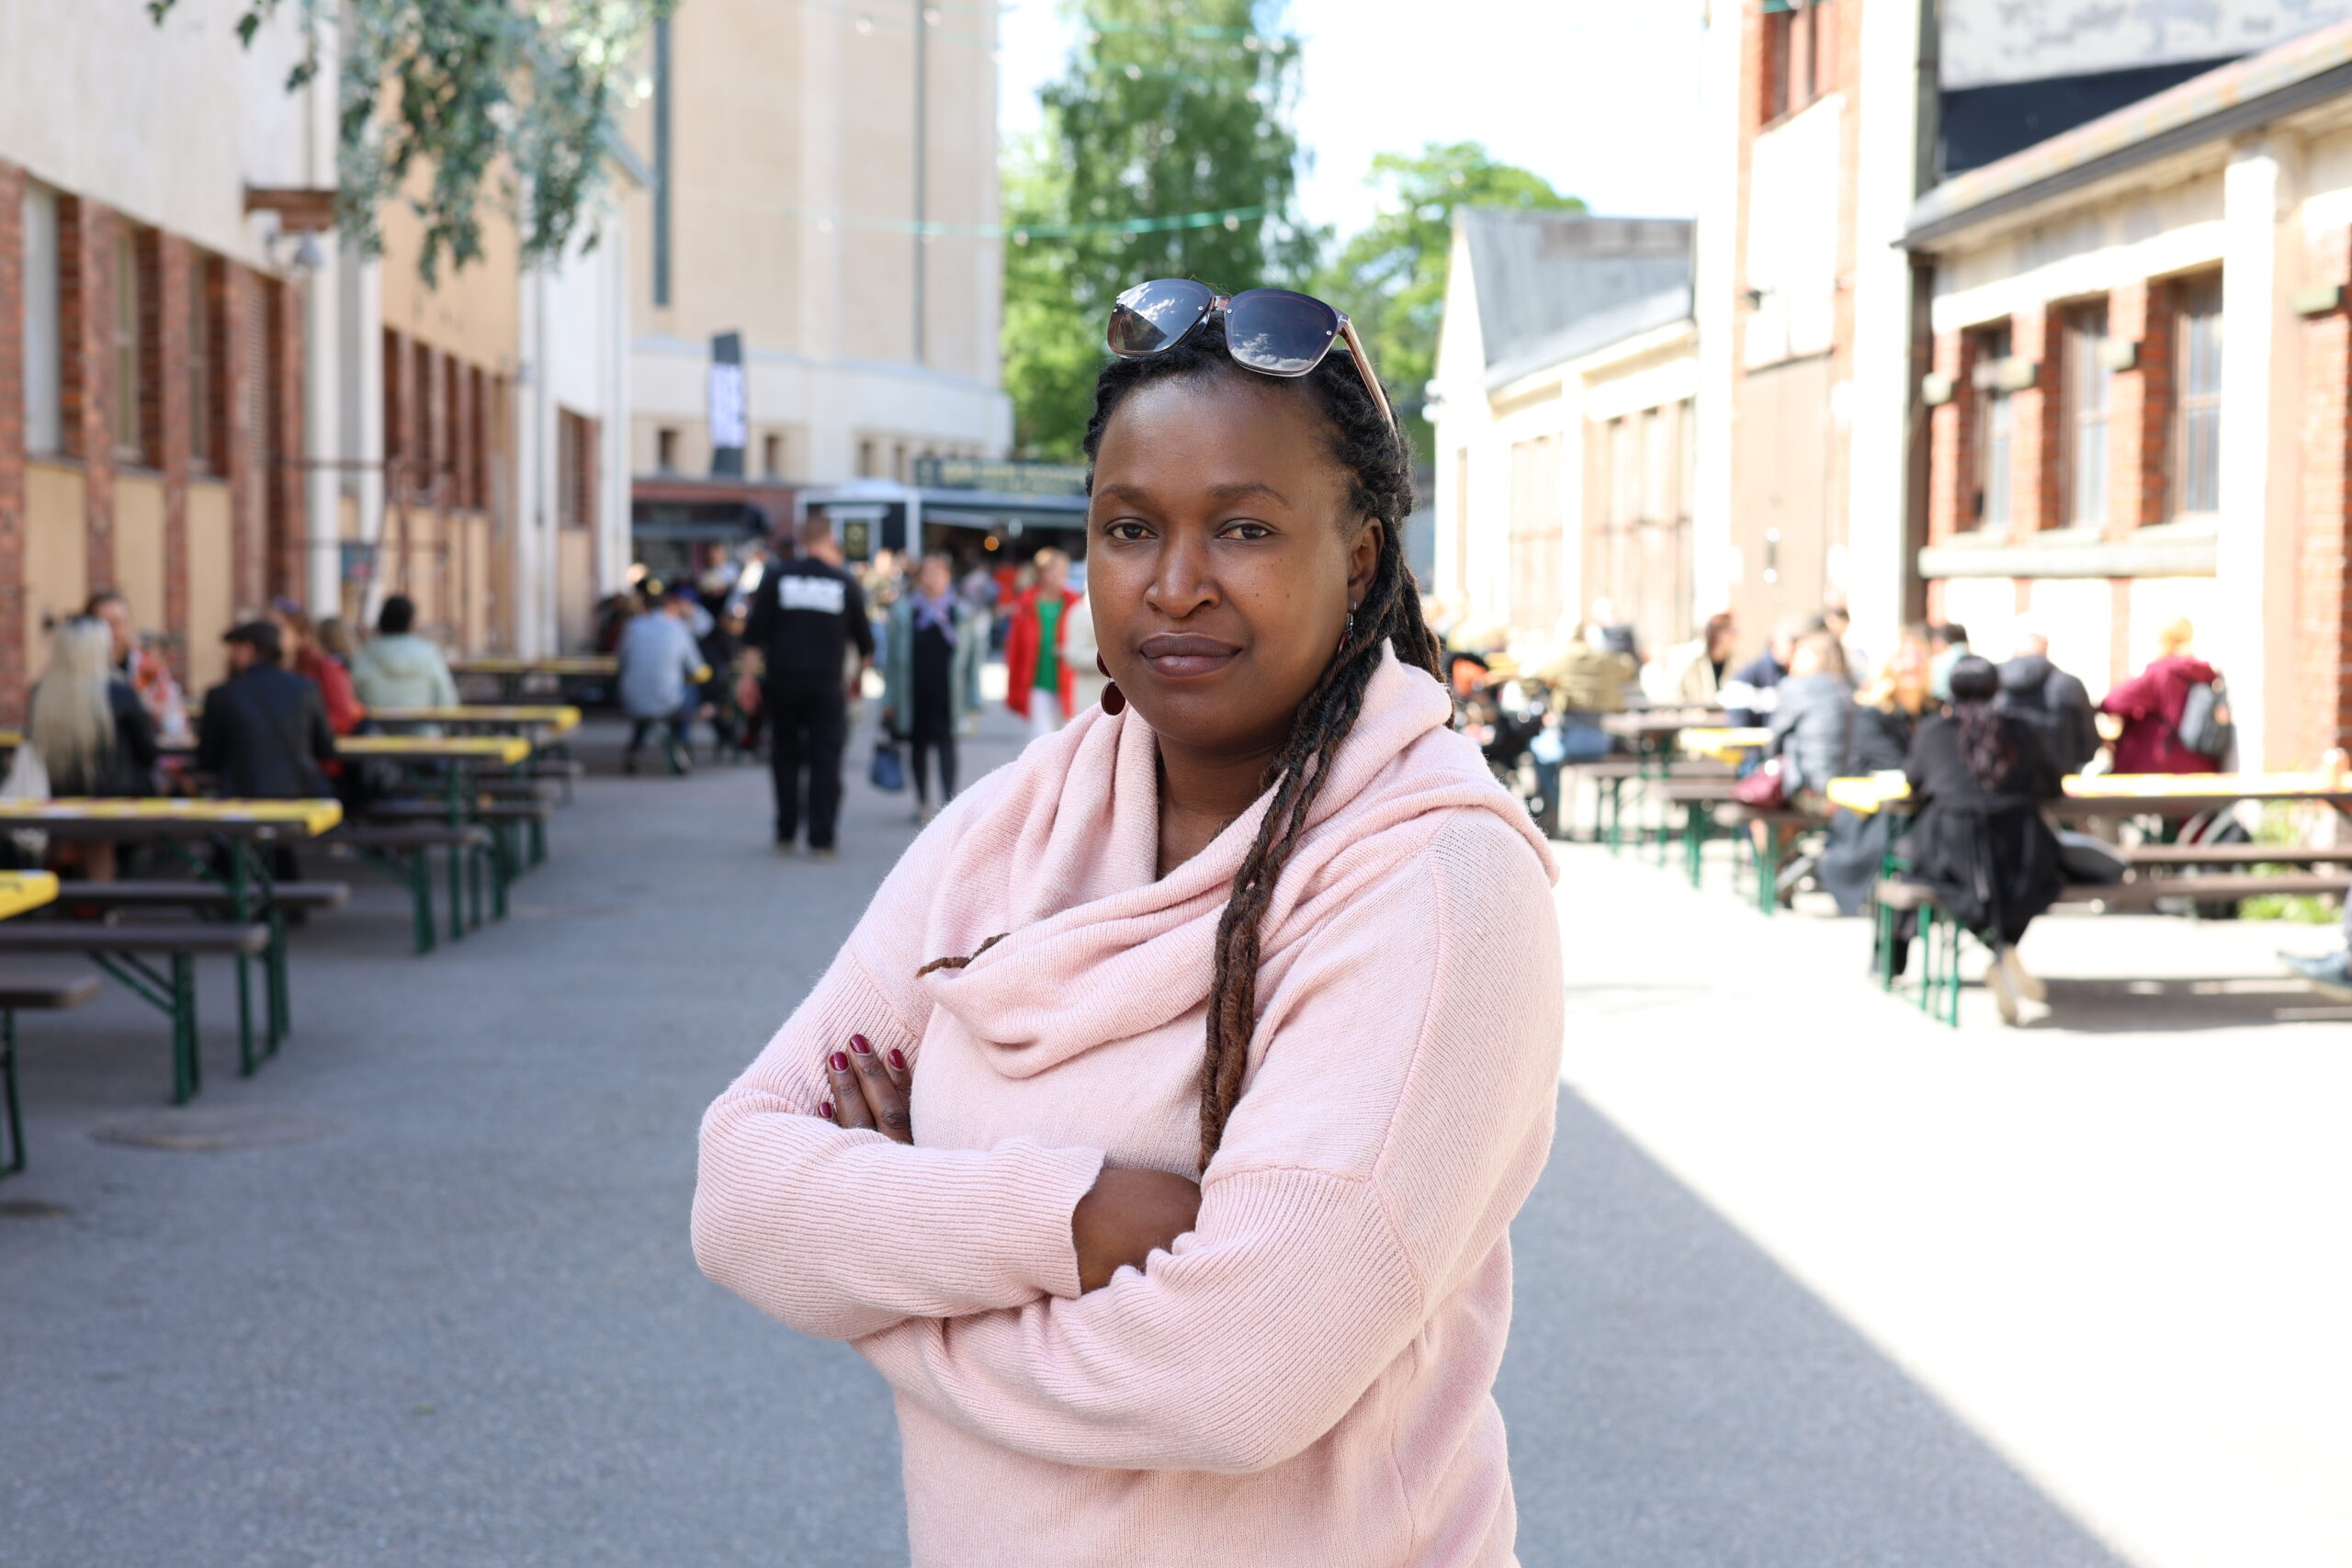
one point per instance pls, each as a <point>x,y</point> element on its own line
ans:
<point>575,469</point>
<point>427,458</point>
<point>129,350</point>
<point>865,460</point>
<point>395,361</point>
<point>1799,56</point>
<point>203,387</point>
<point>1537,523</point>
<point>2196,410</point>
<point>44,386</point>
<point>665,450</point>
<point>1995,430</point>
<point>2084,379</point>
<point>772,456</point>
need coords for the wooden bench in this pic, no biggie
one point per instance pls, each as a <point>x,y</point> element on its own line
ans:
<point>1939,934</point>
<point>205,897</point>
<point>2237,854</point>
<point>404,850</point>
<point>498,816</point>
<point>123,950</point>
<point>29,993</point>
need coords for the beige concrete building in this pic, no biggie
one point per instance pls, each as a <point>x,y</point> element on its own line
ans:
<point>823,181</point>
<point>206,403</point>
<point>1562,408</point>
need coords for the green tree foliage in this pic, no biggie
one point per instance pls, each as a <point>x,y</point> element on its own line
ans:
<point>1391,277</point>
<point>1170,109</point>
<point>482,100</point>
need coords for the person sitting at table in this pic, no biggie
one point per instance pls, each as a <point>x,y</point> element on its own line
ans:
<point>265,730</point>
<point>1812,726</point>
<point>1748,696</point>
<point>90,730</point>
<point>1690,673</point>
<point>2151,704</point>
<point>307,658</point>
<point>146,669</point>
<point>1979,778</point>
<point>1886,717</point>
<point>661,669</point>
<point>397,669</point>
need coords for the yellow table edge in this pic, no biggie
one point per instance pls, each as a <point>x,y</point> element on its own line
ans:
<point>497,747</point>
<point>316,816</point>
<point>22,890</point>
<point>1726,744</point>
<point>561,719</point>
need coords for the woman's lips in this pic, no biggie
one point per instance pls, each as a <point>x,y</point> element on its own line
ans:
<point>1177,655</point>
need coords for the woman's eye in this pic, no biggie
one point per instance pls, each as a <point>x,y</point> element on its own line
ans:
<point>1247,531</point>
<point>1126,530</point>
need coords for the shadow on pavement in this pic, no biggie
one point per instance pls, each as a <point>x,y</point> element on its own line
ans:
<point>1674,1398</point>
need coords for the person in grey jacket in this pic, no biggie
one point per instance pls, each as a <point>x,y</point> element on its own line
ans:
<point>661,668</point>
<point>2056,703</point>
<point>935,639</point>
<point>1813,722</point>
<point>397,669</point>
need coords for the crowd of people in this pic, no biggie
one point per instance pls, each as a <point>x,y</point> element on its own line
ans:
<point>107,716</point>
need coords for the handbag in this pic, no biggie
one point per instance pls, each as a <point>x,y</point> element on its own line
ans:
<point>888,771</point>
<point>1762,789</point>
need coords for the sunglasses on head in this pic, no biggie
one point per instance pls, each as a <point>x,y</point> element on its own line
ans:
<point>1271,330</point>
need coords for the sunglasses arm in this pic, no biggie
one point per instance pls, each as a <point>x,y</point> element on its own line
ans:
<point>1363,367</point>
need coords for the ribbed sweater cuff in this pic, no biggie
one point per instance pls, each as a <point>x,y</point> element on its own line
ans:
<point>1029,1212</point>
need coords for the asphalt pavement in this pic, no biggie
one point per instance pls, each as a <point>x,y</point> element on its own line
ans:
<point>420,1292</point>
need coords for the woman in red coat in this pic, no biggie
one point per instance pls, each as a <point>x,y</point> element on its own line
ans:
<point>2150,705</point>
<point>1038,684</point>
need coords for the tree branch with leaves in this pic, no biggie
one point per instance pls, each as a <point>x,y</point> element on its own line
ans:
<point>487,102</point>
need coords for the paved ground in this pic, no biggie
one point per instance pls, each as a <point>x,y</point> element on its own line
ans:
<point>1808,1284</point>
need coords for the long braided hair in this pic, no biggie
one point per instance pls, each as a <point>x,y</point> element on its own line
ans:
<point>1380,487</point>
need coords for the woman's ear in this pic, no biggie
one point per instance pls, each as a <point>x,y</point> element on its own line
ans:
<point>1363,558</point>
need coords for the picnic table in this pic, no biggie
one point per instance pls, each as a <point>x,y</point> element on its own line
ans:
<point>240,827</point>
<point>1724,745</point>
<point>2126,794</point>
<point>535,720</point>
<point>22,890</point>
<point>1655,725</point>
<point>460,758</point>
<point>513,674</point>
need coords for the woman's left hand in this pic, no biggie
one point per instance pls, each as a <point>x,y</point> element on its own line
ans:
<point>868,1088</point>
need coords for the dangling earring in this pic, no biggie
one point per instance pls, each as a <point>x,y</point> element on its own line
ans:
<point>1347,633</point>
<point>1115,701</point>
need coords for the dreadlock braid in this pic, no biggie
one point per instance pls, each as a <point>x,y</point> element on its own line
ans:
<point>1380,487</point>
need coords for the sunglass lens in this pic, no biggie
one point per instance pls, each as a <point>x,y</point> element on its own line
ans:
<point>1280,332</point>
<point>1156,315</point>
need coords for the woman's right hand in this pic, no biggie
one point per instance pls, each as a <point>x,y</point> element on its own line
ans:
<point>1126,1216</point>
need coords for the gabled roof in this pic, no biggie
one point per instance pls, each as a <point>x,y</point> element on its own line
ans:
<point>1546,283</point>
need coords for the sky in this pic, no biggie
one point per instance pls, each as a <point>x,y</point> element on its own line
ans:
<point>1600,96</point>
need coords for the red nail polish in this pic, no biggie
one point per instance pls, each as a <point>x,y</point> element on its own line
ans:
<point>825,1109</point>
<point>858,1043</point>
<point>841,1063</point>
<point>896,1059</point>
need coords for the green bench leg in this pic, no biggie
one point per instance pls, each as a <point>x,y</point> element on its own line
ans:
<point>14,1111</point>
<point>1767,869</point>
<point>419,869</point>
<point>187,1068</point>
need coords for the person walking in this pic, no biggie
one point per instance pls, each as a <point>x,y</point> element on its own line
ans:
<point>932,635</point>
<point>1158,1132</point>
<point>397,669</point>
<point>806,616</point>
<point>2053,702</point>
<point>661,676</point>
<point>2152,704</point>
<point>1979,778</point>
<point>93,735</point>
<point>1038,683</point>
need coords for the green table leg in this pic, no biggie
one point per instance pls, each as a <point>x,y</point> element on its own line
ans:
<point>239,907</point>
<point>15,1112</point>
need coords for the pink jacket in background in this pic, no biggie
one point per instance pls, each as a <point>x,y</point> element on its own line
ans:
<point>1306,1379</point>
<point>2150,705</point>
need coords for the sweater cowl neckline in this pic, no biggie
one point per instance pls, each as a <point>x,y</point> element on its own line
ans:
<point>1060,860</point>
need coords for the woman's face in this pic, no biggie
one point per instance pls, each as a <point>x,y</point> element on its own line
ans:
<point>932,578</point>
<point>1222,559</point>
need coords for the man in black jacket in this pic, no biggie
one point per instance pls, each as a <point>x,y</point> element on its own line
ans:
<point>805,616</point>
<point>265,730</point>
<point>2054,702</point>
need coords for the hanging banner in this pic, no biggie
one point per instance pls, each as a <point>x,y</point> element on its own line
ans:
<point>730,410</point>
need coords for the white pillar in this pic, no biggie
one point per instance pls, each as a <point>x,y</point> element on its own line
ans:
<point>2254,556</point>
<point>1880,397</point>
<point>363,401</point>
<point>1715,567</point>
<point>613,507</point>
<point>323,431</point>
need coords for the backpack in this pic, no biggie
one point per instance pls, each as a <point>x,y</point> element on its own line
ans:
<point>2030,704</point>
<point>2205,727</point>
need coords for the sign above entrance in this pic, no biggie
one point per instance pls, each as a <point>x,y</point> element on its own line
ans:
<point>1004,476</point>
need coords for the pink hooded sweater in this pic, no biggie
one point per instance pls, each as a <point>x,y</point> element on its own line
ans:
<point>1305,1377</point>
